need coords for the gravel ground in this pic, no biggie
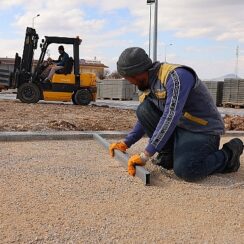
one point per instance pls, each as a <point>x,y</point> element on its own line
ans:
<point>80,195</point>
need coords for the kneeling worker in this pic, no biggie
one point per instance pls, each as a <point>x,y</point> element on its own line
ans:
<point>179,116</point>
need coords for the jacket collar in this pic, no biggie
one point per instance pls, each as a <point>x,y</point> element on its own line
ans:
<point>153,73</point>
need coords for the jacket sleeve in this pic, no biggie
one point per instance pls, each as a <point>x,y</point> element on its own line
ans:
<point>178,87</point>
<point>135,135</point>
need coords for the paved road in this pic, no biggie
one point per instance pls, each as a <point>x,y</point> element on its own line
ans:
<point>126,104</point>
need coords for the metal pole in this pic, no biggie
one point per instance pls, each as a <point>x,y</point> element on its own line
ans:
<point>150,24</point>
<point>143,174</point>
<point>237,61</point>
<point>33,20</point>
<point>155,31</point>
<point>165,51</point>
<point>165,47</point>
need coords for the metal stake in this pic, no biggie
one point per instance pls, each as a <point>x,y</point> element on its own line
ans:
<point>143,174</point>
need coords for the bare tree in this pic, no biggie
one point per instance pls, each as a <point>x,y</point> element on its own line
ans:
<point>115,75</point>
<point>104,75</point>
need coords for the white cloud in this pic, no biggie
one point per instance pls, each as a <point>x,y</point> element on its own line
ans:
<point>188,19</point>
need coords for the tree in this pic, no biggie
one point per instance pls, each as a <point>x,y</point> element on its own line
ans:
<point>104,75</point>
<point>115,75</point>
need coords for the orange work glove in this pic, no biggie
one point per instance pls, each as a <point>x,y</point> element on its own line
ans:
<point>121,146</point>
<point>136,160</point>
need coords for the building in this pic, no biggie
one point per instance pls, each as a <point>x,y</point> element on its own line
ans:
<point>86,66</point>
<point>7,64</point>
<point>92,66</point>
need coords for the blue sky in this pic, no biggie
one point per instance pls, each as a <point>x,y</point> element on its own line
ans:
<point>203,34</point>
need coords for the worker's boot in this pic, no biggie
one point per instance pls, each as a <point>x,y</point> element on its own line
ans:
<point>164,159</point>
<point>233,150</point>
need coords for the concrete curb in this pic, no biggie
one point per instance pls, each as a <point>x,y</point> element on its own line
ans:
<point>58,135</point>
<point>233,133</point>
<point>75,135</point>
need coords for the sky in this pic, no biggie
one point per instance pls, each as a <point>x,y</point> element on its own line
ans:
<point>203,34</point>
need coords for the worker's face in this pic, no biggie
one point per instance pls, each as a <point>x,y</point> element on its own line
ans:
<point>140,80</point>
<point>60,51</point>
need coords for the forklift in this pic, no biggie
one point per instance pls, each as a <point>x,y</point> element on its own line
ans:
<point>66,85</point>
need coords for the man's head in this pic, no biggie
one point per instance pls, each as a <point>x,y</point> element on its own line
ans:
<point>133,64</point>
<point>61,49</point>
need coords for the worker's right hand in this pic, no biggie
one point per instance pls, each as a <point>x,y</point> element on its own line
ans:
<point>121,146</point>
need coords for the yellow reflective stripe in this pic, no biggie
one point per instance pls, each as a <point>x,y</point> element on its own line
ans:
<point>164,71</point>
<point>195,119</point>
<point>160,94</point>
<point>143,95</point>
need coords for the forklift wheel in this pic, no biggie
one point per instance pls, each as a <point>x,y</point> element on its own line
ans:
<point>83,97</point>
<point>73,99</point>
<point>29,93</point>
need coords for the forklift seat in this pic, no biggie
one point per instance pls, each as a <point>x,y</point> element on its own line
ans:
<point>68,66</point>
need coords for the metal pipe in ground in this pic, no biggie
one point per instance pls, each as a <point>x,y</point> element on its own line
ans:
<point>143,174</point>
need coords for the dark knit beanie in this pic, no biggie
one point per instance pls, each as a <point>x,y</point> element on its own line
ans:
<point>133,61</point>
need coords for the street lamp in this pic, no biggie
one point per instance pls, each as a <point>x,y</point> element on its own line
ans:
<point>33,20</point>
<point>150,2</point>
<point>155,31</point>
<point>165,51</point>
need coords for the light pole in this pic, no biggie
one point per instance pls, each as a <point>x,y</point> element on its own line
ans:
<point>150,25</point>
<point>34,19</point>
<point>165,51</point>
<point>237,60</point>
<point>155,30</point>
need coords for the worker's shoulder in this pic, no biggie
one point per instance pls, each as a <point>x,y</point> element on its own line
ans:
<point>185,72</point>
<point>182,75</point>
<point>65,54</point>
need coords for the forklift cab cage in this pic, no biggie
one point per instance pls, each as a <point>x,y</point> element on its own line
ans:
<point>61,40</point>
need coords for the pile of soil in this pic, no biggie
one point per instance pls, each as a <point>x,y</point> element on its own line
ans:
<point>17,116</point>
<point>234,122</point>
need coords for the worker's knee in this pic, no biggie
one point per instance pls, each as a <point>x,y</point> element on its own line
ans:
<point>147,111</point>
<point>141,112</point>
<point>188,172</point>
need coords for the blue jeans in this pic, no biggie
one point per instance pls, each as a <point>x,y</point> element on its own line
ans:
<point>195,155</point>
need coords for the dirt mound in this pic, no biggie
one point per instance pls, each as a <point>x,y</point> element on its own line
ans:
<point>62,125</point>
<point>234,122</point>
<point>17,116</point>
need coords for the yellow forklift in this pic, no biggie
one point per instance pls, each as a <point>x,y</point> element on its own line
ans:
<point>66,85</point>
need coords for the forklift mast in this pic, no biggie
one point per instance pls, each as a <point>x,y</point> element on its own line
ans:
<point>31,40</point>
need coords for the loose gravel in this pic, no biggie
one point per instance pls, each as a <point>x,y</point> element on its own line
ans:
<point>73,192</point>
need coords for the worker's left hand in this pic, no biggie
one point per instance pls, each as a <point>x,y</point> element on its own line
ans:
<point>137,159</point>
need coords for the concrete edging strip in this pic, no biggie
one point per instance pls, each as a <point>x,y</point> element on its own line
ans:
<point>143,174</point>
<point>57,135</point>
<point>74,135</point>
<point>234,133</point>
